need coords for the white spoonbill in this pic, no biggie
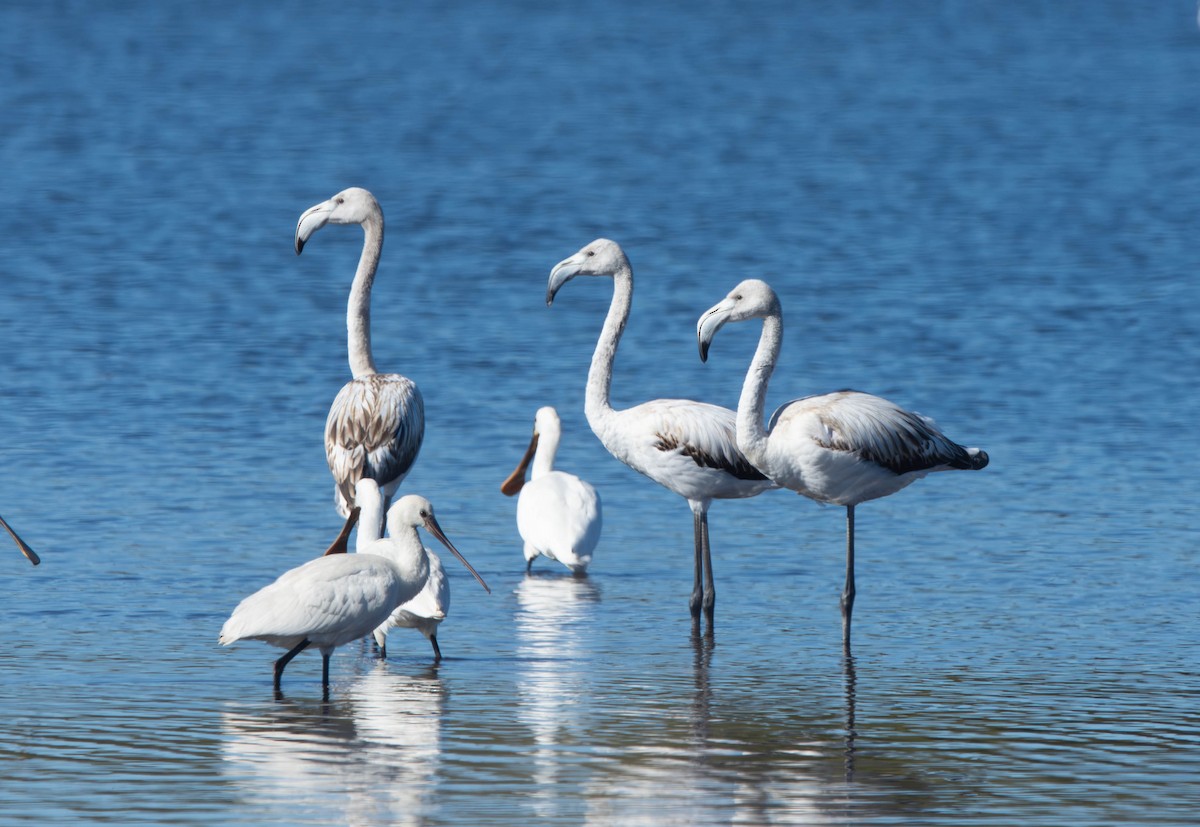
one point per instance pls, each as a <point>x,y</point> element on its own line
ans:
<point>337,598</point>
<point>29,553</point>
<point>428,607</point>
<point>558,514</point>
<point>687,447</point>
<point>842,448</point>
<point>377,421</point>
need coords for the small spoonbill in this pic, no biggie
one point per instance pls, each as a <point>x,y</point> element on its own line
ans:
<point>377,421</point>
<point>686,447</point>
<point>336,598</point>
<point>428,607</point>
<point>558,514</point>
<point>425,612</point>
<point>29,553</point>
<point>842,448</point>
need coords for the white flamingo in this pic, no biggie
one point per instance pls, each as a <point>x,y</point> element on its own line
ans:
<point>29,553</point>
<point>339,598</point>
<point>377,421</point>
<point>842,448</point>
<point>428,608</point>
<point>687,447</point>
<point>558,514</point>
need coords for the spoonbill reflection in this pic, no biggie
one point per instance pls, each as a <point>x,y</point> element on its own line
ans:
<point>377,421</point>
<point>686,447</point>
<point>843,448</point>
<point>558,514</point>
<point>29,553</point>
<point>339,598</point>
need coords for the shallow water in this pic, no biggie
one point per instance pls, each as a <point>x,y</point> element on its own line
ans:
<point>984,213</point>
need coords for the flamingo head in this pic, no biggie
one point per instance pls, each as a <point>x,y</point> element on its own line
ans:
<point>600,258</point>
<point>752,299</point>
<point>351,206</point>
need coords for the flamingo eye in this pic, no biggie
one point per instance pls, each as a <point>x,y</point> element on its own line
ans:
<point>591,253</point>
<point>339,200</point>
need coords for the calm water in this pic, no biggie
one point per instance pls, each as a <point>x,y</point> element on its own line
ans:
<point>986,212</point>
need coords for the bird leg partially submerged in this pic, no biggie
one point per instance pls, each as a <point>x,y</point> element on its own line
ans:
<point>342,544</point>
<point>286,659</point>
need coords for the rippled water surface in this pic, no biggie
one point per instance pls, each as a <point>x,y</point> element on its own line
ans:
<point>984,211</point>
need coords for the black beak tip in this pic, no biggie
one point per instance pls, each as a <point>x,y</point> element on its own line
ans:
<point>299,246</point>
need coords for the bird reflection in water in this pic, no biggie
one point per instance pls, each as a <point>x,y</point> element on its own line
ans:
<point>554,617</point>
<point>369,757</point>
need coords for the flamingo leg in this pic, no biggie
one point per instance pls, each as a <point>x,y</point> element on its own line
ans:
<point>437,652</point>
<point>710,587</point>
<point>697,589</point>
<point>848,591</point>
<point>325,672</point>
<point>286,659</point>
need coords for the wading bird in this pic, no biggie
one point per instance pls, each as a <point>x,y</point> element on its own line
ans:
<point>428,607</point>
<point>687,447</point>
<point>842,448</point>
<point>377,421</point>
<point>558,514</point>
<point>29,553</point>
<point>339,598</point>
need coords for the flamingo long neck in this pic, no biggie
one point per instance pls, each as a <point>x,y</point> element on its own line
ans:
<point>358,309</point>
<point>751,433</point>
<point>597,403</point>
<point>543,460</point>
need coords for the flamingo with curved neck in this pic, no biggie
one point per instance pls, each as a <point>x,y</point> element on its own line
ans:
<point>685,446</point>
<point>842,448</point>
<point>377,421</point>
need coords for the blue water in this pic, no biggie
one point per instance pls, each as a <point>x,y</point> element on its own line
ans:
<point>985,212</point>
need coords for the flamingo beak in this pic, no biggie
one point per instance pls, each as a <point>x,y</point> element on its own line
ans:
<point>707,326</point>
<point>313,219</point>
<point>562,273</point>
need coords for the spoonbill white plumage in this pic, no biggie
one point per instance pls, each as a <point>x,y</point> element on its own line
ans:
<point>425,609</point>
<point>685,446</point>
<point>425,612</point>
<point>558,514</point>
<point>842,448</point>
<point>29,553</point>
<point>337,598</point>
<point>377,421</point>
